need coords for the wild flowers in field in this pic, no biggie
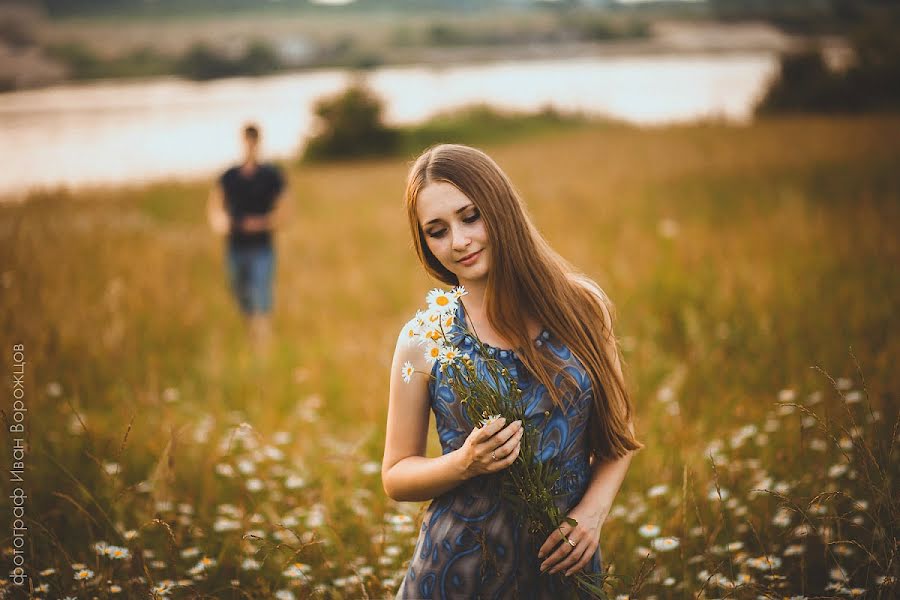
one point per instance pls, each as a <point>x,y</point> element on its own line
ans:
<point>486,395</point>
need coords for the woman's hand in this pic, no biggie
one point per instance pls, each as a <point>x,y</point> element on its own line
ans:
<point>491,448</point>
<point>563,555</point>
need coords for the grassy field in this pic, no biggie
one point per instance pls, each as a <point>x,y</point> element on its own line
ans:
<point>738,258</point>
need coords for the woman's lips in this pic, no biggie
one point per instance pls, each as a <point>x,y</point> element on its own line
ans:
<point>471,258</point>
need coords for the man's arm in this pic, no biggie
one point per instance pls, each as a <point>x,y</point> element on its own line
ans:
<point>216,214</point>
<point>282,211</point>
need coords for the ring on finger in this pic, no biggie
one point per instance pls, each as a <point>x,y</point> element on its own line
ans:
<point>572,542</point>
<point>493,455</point>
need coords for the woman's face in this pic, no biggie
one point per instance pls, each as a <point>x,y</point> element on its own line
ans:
<point>454,231</point>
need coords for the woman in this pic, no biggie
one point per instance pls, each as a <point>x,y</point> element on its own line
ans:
<point>552,329</point>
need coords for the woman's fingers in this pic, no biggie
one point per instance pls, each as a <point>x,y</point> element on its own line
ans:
<point>500,437</point>
<point>495,446</point>
<point>507,447</point>
<point>584,560</point>
<point>489,430</point>
<point>553,540</point>
<point>574,554</point>
<point>503,463</point>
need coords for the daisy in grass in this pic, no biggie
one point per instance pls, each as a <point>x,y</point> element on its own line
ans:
<point>648,530</point>
<point>664,544</point>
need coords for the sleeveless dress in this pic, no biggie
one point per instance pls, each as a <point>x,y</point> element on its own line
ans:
<point>471,544</point>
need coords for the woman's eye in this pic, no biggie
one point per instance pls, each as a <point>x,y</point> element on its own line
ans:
<point>472,218</point>
<point>437,233</point>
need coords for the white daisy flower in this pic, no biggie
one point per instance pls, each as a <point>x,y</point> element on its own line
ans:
<point>433,335</point>
<point>294,481</point>
<point>714,494</point>
<point>782,518</point>
<point>433,353</point>
<point>837,470</point>
<point>449,354</point>
<point>83,574</point>
<point>225,470</point>
<point>488,419</point>
<point>657,490</point>
<point>648,530</point>
<point>441,301</point>
<point>665,544</point>
<point>297,570</point>
<point>101,548</point>
<point>447,320</point>
<point>460,291</point>
<point>412,331</point>
<point>764,563</point>
<point>118,552</point>
<point>250,564</point>
<point>408,371</point>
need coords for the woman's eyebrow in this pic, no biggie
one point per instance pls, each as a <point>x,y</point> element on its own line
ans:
<point>458,210</point>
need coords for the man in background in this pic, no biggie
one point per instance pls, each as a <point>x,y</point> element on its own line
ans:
<point>248,202</point>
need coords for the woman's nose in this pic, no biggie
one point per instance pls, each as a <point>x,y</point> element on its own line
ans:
<point>460,239</point>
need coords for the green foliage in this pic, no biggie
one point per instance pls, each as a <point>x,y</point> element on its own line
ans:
<point>202,62</point>
<point>351,127</point>
<point>872,82</point>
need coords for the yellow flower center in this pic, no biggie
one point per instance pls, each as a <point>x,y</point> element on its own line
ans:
<point>442,301</point>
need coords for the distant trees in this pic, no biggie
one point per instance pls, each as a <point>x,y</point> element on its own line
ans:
<point>203,62</point>
<point>871,82</point>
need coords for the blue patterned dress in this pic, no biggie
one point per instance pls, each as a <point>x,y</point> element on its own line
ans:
<point>470,544</point>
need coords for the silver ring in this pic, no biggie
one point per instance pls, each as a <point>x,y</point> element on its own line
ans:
<point>571,542</point>
<point>493,456</point>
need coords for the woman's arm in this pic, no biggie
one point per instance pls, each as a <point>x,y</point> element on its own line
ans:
<point>606,479</point>
<point>406,474</point>
<point>590,514</point>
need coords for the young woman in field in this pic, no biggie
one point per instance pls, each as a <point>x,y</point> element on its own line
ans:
<point>552,328</point>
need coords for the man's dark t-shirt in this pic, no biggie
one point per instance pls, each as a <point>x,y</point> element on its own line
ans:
<point>253,195</point>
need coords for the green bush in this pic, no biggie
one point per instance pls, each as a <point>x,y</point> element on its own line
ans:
<point>351,127</point>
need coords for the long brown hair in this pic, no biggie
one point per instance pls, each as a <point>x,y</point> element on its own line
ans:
<point>529,280</point>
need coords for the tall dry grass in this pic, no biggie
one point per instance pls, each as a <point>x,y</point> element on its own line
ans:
<point>738,258</point>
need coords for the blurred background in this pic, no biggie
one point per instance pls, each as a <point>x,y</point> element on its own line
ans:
<point>727,170</point>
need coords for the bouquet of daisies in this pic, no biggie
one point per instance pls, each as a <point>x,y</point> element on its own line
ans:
<point>487,392</point>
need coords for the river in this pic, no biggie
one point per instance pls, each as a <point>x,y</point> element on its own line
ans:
<point>139,131</point>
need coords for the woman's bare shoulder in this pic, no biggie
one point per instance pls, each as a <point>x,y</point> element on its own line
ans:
<point>594,288</point>
<point>408,348</point>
